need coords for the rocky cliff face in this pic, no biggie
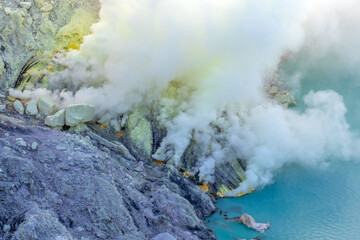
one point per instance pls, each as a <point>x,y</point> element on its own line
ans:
<point>56,185</point>
<point>32,34</point>
<point>34,27</point>
<point>103,183</point>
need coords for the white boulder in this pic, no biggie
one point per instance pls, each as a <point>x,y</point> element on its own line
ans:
<point>56,120</point>
<point>19,107</point>
<point>31,108</point>
<point>46,106</point>
<point>79,113</point>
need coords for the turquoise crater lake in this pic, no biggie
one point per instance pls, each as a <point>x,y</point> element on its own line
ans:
<point>305,203</point>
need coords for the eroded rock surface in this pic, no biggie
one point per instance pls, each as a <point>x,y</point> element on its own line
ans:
<point>79,187</point>
<point>35,26</point>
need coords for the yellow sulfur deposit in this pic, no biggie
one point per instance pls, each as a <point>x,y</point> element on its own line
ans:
<point>186,175</point>
<point>160,163</point>
<point>242,194</point>
<point>204,187</point>
<point>71,35</point>
<point>222,194</point>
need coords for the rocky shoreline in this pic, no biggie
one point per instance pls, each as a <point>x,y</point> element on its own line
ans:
<point>92,178</point>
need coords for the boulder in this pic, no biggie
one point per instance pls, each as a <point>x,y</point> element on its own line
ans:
<point>46,106</point>
<point>79,113</point>
<point>56,120</point>
<point>31,108</point>
<point>249,221</point>
<point>19,107</point>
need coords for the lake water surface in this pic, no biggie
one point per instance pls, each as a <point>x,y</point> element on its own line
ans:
<point>305,203</point>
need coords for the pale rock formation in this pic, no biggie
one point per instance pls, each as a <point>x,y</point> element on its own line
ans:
<point>249,221</point>
<point>25,5</point>
<point>20,142</point>
<point>79,113</point>
<point>140,129</point>
<point>285,98</point>
<point>34,146</point>
<point>80,128</point>
<point>56,120</point>
<point>19,107</point>
<point>280,92</point>
<point>46,106</point>
<point>47,8</point>
<point>31,108</point>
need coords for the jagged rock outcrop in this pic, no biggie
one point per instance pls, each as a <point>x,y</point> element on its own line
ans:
<point>279,92</point>
<point>72,187</point>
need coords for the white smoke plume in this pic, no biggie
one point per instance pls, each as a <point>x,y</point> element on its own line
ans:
<point>219,53</point>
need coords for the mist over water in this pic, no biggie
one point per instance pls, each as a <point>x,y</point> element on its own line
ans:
<point>305,203</point>
<point>218,55</point>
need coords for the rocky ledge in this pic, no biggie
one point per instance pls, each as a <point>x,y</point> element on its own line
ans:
<point>58,185</point>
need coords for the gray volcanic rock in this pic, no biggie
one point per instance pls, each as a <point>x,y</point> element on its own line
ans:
<point>75,187</point>
<point>41,224</point>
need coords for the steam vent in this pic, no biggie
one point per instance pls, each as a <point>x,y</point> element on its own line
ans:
<point>131,119</point>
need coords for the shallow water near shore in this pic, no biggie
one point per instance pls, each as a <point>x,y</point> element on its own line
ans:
<point>301,204</point>
<point>304,203</point>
